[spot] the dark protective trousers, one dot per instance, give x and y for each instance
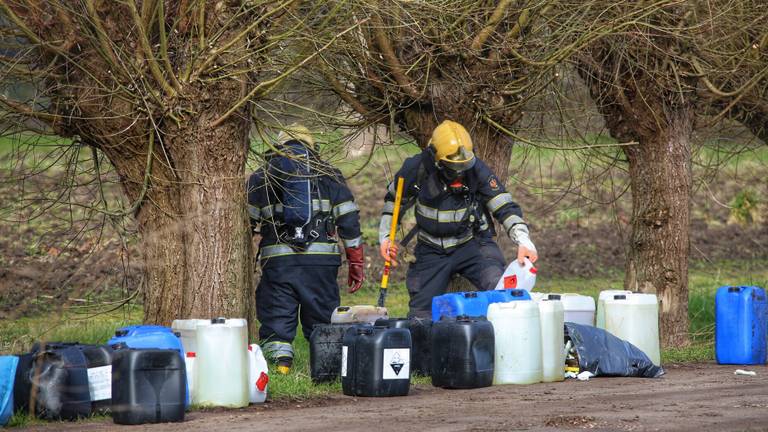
(288, 293)
(479, 260)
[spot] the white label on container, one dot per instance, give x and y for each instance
(343, 360)
(397, 363)
(100, 382)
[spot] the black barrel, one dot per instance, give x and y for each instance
(462, 353)
(148, 386)
(53, 379)
(421, 334)
(98, 359)
(325, 351)
(376, 361)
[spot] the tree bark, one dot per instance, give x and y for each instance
(657, 256)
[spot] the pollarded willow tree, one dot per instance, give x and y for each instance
(164, 89)
(414, 64)
(644, 82)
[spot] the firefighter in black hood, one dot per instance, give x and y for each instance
(455, 195)
(302, 208)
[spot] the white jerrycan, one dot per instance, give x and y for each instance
(605, 294)
(222, 363)
(258, 374)
(187, 329)
(517, 332)
(552, 317)
(634, 317)
(518, 276)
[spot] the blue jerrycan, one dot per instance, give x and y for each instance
(741, 326)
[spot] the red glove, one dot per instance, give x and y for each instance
(355, 267)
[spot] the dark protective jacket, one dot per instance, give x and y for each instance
(444, 218)
(289, 193)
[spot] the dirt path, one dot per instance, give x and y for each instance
(698, 397)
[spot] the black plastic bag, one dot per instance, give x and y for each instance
(604, 354)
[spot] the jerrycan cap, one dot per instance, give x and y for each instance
(121, 333)
(516, 293)
(620, 297)
(554, 297)
(365, 330)
(342, 309)
(463, 318)
(471, 294)
(219, 320)
(734, 289)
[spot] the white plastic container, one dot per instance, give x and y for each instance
(600, 317)
(189, 362)
(537, 296)
(552, 316)
(517, 331)
(258, 375)
(634, 317)
(517, 276)
(222, 363)
(358, 314)
(579, 309)
(187, 329)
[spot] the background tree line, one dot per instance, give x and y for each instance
(170, 94)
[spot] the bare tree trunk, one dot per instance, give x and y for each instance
(217, 249)
(657, 256)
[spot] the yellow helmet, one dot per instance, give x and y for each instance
(296, 132)
(452, 146)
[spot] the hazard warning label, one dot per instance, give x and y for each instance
(397, 363)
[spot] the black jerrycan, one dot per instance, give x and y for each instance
(98, 360)
(52, 383)
(375, 361)
(325, 351)
(462, 352)
(148, 386)
(421, 333)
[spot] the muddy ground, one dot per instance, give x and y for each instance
(691, 397)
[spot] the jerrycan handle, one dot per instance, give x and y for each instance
(121, 333)
(620, 297)
(219, 320)
(463, 318)
(516, 293)
(734, 289)
(342, 309)
(472, 294)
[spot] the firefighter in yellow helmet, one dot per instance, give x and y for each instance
(303, 209)
(455, 195)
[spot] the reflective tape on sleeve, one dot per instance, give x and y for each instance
(254, 212)
(499, 201)
(511, 221)
(340, 210)
(389, 207)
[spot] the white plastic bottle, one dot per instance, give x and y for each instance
(222, 363)
(552, 317)
(517, 330)
(189, 362)
(600, 317)
(258, 375)
(517, 276)
(634, 317)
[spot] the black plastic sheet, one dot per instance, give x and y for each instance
(604, 354)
